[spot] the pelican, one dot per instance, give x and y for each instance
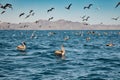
(5, 6)
(110, 44)
(88, 38)
(21, 47)
(60, 52)
(50, 9)
(21, 14)
(66, 38)
(117, 4)
(68, 8)
(31, 11)
(115, 18)
(88, 7)
(86, 18)
(83, 16)
(27, 16)
(50, 18)
(2, 12)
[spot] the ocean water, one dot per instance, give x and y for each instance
(84, 60)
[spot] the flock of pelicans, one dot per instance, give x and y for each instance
(32, 13)
(23, 47)
(61, 52)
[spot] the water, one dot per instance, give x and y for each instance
(84, 60)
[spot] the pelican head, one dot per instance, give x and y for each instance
(23, 43)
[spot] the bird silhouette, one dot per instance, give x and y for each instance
(115, 18)
(2, 12)
(68, 7)
(88, 7)
(50, 9)
(50, 18)
(27, 16)
(36, 22)
(117, 4)
(21, 14)
(31, 11)
(6, 6)
(86, 18)
(83, 16)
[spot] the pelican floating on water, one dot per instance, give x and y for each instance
(22, 47)
(60, 52)
(110, 44)
(88, 38)
(66, 38)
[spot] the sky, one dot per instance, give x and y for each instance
(104, 14)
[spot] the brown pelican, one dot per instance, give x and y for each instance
(88, 7)
(6, 6)
(117, 4)
(31, 11)
(50, 18)
(115, 18)
(110, 44)
(83, 16)
(21, 14)
(2, 12)
(86, 18)
(27, 16)
(22, 47)
(60, 52)
(50, 9)
(68, 8)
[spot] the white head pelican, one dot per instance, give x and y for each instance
(60, 52)
(22, 47)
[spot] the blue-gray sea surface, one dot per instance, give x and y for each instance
(84, 60)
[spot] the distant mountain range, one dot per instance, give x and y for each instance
(56, 25)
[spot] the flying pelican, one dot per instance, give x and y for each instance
(21, 14)
(117, 4)
(7, 6)
(83, 16)
(60, 52)
(31, 11)
(22, 47)
(86, 18)
(50, 18)
(50, 9)
(88, 7)
(27, 16)
(115, 18)
(68, 8)
(2, 12)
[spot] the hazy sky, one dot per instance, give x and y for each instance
(104, 14)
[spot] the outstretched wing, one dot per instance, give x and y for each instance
(117, 4)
